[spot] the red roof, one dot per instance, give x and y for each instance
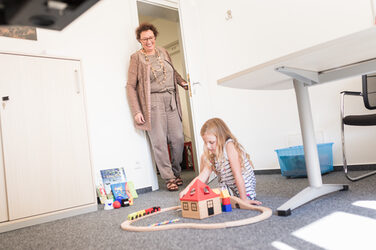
(199, 191)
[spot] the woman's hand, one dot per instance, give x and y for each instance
(185, 85)
(139, 119)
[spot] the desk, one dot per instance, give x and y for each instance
(347, 56)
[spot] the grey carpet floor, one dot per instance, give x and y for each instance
(326, 223)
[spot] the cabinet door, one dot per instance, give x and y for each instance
(45, 139)
(3, 197)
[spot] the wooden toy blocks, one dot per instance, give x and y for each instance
(224, 193)
(226, 208)
(226, 201)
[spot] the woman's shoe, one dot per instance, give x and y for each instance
(171, 185)
(178, 181)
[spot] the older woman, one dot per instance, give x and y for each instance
(155, 104)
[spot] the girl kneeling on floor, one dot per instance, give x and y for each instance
(227, 158)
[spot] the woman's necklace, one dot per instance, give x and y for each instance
(161, 66)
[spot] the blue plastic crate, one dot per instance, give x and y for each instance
(292, 161)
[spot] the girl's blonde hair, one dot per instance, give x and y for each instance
(219, 129)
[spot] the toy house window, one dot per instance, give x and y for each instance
(185, 205)
(193, 191)
(206, 190)
(194, 206)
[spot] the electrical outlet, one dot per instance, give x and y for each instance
(137, 165)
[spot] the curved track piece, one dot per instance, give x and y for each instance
(235, 203)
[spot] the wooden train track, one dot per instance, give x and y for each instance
(235, 203)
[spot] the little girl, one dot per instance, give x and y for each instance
(227, 158)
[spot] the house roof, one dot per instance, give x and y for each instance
(199, 191)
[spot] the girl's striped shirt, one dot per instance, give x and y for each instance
(227, 180)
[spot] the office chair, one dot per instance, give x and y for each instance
(369, 98)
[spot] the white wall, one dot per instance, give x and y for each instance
(260, 31)
(103, 38)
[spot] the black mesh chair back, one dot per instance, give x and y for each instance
(369, 91)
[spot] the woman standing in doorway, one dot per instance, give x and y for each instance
(155, 104)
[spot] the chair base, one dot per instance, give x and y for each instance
(357, 178)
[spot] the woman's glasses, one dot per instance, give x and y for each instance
(144, 40)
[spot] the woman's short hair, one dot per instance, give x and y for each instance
(144, 27)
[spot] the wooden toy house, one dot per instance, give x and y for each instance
(200, 202)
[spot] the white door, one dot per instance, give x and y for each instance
(200, 99)
(45, 138)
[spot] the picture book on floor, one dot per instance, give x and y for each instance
(118, 190)
(112, 176)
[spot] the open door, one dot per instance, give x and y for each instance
(199, 94)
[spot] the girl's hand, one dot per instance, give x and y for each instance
(203, 176)
(254, 202)
(139, 119)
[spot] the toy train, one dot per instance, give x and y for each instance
(144, 212)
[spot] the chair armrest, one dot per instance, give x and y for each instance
(342, 101)
(351, 93)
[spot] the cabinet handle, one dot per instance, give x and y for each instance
(77, 81)
(4, 99)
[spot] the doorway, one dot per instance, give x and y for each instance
(166, 19)
(210, 207)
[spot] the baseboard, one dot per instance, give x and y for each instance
(267, 171)
(360, 167)
(48, 217)
(144, 190)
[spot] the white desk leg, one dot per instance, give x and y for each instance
(316, 188)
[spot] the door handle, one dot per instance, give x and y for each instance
(190, 85)
(194, 90)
